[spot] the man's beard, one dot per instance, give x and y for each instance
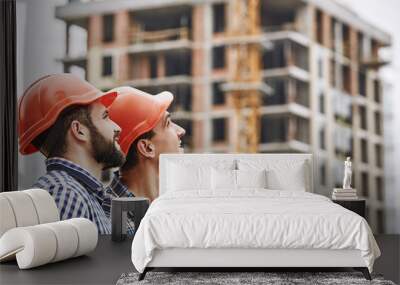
(105, 152)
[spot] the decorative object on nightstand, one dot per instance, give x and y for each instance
(356, 205)
(346, 192)
(119, 210)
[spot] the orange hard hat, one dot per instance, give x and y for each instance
(137, 112)
(46, 98)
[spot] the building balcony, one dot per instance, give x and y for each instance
(160, 27)
(158, 69)
(291, 108)
(279, 15)
(284, 132)
(374, 62)
(287, 90)
(161, 81)
(289, 71)
(373, 59)
(83, 8)
(160, 40)
(342, 105)
(343, 140)
(359, 100)
(274, 110)
(160, 35)
(279, 132)
(159, 46)
(286, 55)
(289, 146)
(283, 34)
(78, 60)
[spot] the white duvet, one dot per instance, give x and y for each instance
(250, 219)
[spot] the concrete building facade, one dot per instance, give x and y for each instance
(320, 59)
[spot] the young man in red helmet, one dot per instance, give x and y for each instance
(147, 131)
(66, 119)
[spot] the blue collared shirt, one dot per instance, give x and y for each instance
(76, 192)
(118, 189)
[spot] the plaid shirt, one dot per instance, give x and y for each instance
(76, 192)
(118, 189)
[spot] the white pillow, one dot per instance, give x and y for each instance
(223, 179)
(288, 176)
(251, 178)
(182, 177)
(282, 174)
(202, 161)
(227, 179)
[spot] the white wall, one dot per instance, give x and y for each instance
(40, 40)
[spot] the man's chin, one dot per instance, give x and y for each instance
(117, 146)
(114, 159)
(118, 164)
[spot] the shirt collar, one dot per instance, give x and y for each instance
(82, 175)
(118, 187)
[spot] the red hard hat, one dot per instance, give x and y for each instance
(137, 112)
(46, 98)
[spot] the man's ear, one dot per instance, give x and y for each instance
(146, 148)
(79, 131)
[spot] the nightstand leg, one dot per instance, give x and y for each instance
(142, 275)
(364, 271)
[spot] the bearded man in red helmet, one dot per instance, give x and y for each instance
(146, 131)
(66, 119)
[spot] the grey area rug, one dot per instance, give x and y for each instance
(225, 278)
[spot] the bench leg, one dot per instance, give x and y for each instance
(364, 271)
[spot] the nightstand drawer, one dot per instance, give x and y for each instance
(357, 206)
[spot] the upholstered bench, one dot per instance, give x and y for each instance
(31, 232)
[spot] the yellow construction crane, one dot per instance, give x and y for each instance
(245, 82)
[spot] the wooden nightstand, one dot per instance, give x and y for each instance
(119, 210)
(357, 206)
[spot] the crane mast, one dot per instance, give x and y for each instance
(245, 73)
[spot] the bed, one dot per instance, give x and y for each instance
(246, 211)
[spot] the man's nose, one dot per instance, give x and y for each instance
(117, 128)
(180, 131)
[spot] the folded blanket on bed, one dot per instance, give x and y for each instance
(253, 218)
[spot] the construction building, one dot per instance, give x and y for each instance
(318, 68)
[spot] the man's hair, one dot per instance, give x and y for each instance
(53, 141)
(132, 158)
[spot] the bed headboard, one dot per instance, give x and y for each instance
(212, 159)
